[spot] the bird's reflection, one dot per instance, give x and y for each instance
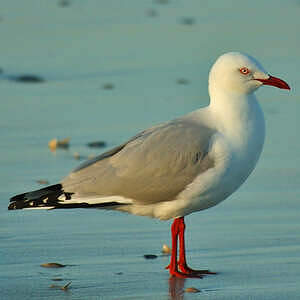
(176, 288)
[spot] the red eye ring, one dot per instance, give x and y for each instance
(244, 71)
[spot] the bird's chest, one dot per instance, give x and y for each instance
(235, 150)
(245, 149)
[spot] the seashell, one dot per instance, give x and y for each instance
(192, 290)
(166, 249)
(52, 265)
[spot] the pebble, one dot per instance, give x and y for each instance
(27, 78)
(55, 143)
(52, 265)
(188, 21)
(192, 290)
(150, 256)
(182, 81)
(42, 181)
(64, 3)
(108, 86)
(119, 273)
(151, 12)
(166, 249)
(96, 144)
(76, 155)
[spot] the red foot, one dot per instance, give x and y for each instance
(187, 272)
(177, 230)
(179, 274)
(185, 269)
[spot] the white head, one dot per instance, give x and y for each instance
(237, 73)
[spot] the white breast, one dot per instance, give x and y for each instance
(235, 149)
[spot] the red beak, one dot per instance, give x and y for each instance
(274, 81)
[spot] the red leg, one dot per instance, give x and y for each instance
(182, 265)
(176, 230)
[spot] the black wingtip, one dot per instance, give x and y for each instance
(16, 205)
(49, 197)
(21, 201)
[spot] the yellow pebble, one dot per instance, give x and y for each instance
(192, 290)
(52, 144)
(55, 143)
(52, 265)
(166, 249)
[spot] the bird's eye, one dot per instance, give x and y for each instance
(244, 71)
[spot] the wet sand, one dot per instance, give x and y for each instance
(252, 239)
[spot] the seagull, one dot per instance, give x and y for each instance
(178, 167)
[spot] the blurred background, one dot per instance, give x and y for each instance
(99, 70)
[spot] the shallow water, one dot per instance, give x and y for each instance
(252, 240)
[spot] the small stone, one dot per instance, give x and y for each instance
(182, 81)
(76, 155)
(64, 143)
(42, 181)
(150, 256)
(55, 143)
(166, 249)
(52, 265)
(27, 78)
(192, 290)
(57, 279)
(52, 144)
(119, 273)
(96, 144)
(151, 12)
(188, 21)
(108, 86)
(64, 3)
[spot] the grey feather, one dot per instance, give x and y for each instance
(154, 166)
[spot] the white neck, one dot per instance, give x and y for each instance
(239, 117)
(241, 122)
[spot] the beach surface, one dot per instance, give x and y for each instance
(105, 70)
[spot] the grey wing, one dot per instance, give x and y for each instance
(106, 154)
(154, 166)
